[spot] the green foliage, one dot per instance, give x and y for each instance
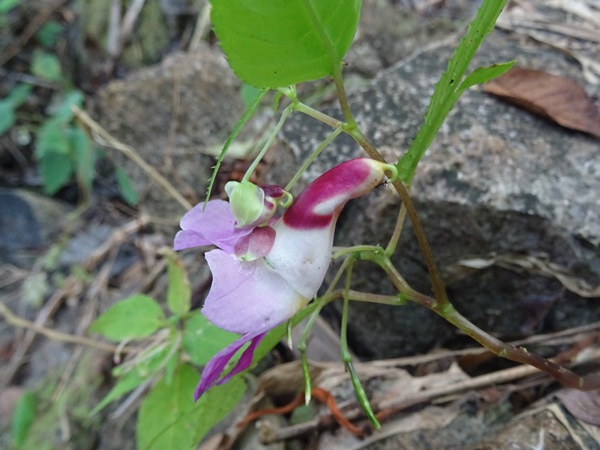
(135, 317)
(22, 418)
(179, 295)
(451, 85)
(17, 96)
(7, 5)
(202, 339)
(128, 192)
(148, 365)
(273, 44)
(250, 94)
(63, 149)
(46, 65)
(49, 33)
(168, 418)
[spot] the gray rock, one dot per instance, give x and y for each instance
(140, 112)
(497, 180)
(28, 223)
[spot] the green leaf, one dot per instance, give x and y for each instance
(51, 138)
(135, 317)
(149, 363)
(64, 111)
(18, 94)
(127, 383)
(270, 43)
(57, 169)
(202, 340)
(126, 189)
(446, 91)
(7, 116)
(7, 5)
(84, 154)
(46, 65)
(179, 294)
(484, 74)
(48, 34)
(169, 419)
(250, 94)
(22, 418)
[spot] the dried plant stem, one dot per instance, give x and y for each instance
(386, 408)
(106, 139)
(19, 322)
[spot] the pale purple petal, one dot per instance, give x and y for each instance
(214, 224)
(214, 368)
(248, 295)
(188, 239)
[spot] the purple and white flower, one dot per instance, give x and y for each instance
(266, 270)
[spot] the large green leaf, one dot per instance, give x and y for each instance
(7, 116)
(22, 418)
(169, 419)
(202, 340)
(148, 364)
(179, 294)
(57, 169)
(135, 317)
(274, 43)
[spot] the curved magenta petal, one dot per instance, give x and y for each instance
(248, 295)
(214, 368)
(320, 203)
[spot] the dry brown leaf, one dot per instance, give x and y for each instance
(583, 405)
(556, 98)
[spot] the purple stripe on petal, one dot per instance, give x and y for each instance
(245, 360)
(214, 368)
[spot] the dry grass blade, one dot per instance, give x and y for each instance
(556, 98)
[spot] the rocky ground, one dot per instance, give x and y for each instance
(507, 198)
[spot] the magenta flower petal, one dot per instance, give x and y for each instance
(214, 368)
(256, 245)
(248, 295)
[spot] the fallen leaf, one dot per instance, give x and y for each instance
(583, 405)
(556, 98)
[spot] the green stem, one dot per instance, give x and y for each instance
(393, 243)
(447, 89)
(272, 136)
(313, 156)
(318, 115)
(518, 354)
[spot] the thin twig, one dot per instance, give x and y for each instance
(390, 406)
(108, 140)
(17, 321)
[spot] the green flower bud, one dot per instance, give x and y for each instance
(246, 200)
